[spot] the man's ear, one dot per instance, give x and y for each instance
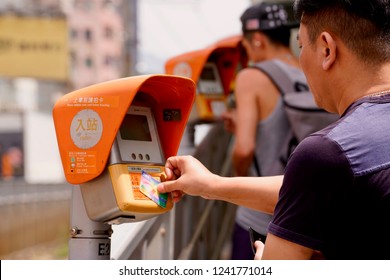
(260, 38)
(328, 49)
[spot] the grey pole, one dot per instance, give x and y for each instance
(89, 240)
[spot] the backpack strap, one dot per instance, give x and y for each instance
(283, 83)
(277, 75)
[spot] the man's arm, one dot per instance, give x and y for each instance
(277, 248)
(256, 98)
(189, 176)
(247, 118)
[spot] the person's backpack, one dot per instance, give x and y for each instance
(303, 114)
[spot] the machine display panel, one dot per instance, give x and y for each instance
(209, 80)
(138, 139)
(208, 74)
(135, 127)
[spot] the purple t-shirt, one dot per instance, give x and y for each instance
(336, 191)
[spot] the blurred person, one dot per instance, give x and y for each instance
(15, 156)
(334, 196)
(12, 163)
(6, 164)
(259, 122)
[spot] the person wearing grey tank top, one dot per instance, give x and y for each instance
(258, 123)
(270, 137)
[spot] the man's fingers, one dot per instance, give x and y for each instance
(171, 168)
(259, 250)
(177, 173)
(176, 196)
(167, 186)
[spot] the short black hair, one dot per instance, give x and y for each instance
(279, 36)
(363, 25)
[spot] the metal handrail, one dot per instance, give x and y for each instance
(187, 251)
(228, 217)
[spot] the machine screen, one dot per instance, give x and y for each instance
(208, 74)
(135, 127)
(209, 80)
(138, 139)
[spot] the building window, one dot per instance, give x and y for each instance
(109, 60)
(73, 34)
(73, 58)
(88, 62)
(88, 35)
(108, 32)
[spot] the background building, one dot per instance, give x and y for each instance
(49, 48)
(96, 37)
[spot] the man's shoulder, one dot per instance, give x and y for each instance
(253, 80)
(363, 135)
(248, 74)
(367, 119)
(359, 138)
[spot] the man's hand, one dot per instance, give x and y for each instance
(186, 175)
(259, 249)
(229, 120)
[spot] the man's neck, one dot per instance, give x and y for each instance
(364, 83)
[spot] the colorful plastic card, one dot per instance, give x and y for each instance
(149, 188)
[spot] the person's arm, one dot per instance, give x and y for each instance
(256, 98)
(277, 248)
(247, 118)
(189, 176)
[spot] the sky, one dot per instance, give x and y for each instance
(167, 28)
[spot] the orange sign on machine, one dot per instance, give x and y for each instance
(112, 133)
(213, 69)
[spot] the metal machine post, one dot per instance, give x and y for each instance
(89, 240)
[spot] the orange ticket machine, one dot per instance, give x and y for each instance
(114, 138)
(213, 69)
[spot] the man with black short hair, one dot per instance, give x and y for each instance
(335, 195)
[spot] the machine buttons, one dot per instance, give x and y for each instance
(140, 156)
